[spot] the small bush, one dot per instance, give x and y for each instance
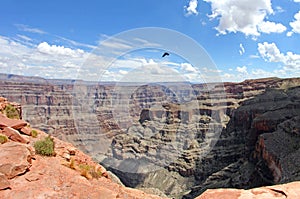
(96, 174)
(34, 133)
(85, 171)
(3, 139)
(11, 112)
(45, 147)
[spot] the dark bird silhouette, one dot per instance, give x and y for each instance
(165, 54)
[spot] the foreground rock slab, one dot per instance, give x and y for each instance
(48, 178)
(15, 159)
(290, 191)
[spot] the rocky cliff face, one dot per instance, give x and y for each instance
(167, 135)
(263, 148)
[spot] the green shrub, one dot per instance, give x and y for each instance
(96, 174)
(3, 139)
(45, 147)
(85, 171)
(34, 133)
(11, 112)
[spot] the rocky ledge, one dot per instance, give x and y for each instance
(25, 174)
(290, 191)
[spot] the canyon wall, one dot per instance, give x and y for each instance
(180, 138)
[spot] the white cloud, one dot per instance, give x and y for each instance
(289, 34)
(55, 61)
(295, 24)
(242, 49)
(271, 27)
(242, 69)
(75, 43)
(191, 8)
(187, 67)
(288, 65)
(45, 48)
(24, 37)
(26, 28)
(123, 72)
(246, 16)
(270, 53)
(297, 1)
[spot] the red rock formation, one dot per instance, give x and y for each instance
(14, 135)
(15, 159)
(13, 123)
(290, 191)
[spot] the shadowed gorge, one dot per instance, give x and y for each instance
(177, 137)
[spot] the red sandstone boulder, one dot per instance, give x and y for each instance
(15, 159)
(14, 135)
(13, 123)
(26, 130)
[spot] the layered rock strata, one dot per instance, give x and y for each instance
(144, 132)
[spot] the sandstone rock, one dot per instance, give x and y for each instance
(66, 156)
(290, 190)
(15, 159)
(13, 123)
(14, 135)
(4, 183)
(26, 131)
(71, 150)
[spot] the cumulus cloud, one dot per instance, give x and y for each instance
(191, 9)
(246, 16)
(45, 48)
(42, 60)
(242, 49)
(187, 67)
(271, 27)
(270, 53)
(295, 24)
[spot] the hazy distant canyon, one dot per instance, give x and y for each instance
(178, 138)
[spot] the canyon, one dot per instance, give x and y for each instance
(67, 173)
(177, 138)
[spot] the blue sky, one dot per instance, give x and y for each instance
(64, 39)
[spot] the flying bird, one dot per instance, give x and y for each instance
(165, 54)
